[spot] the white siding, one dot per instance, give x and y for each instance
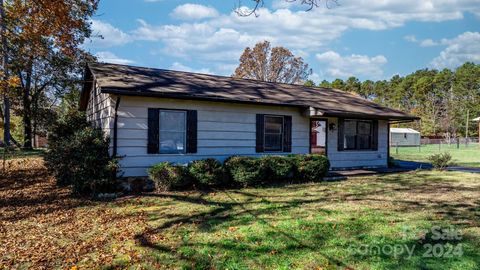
(224, 129)
(353, 158)
(404, 139)
(100, 111)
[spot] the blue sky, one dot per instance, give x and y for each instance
(362, 38)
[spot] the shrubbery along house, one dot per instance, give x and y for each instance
(154, 115)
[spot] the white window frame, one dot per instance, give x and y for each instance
(281, 133)
(160, 132)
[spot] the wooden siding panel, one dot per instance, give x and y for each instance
(226, 129)
(223, 130)
(347, 158)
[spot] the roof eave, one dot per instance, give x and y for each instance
(220, 99)
(193, 97)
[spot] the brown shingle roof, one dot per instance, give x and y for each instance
(141, 81)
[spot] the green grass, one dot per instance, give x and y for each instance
(20, 153)
(328, 225)
(468, 156)
(314, 226)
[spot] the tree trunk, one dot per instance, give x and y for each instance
(27, 120)
(6, 100)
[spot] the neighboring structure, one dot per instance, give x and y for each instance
(154, 115)
(404, 137)
(478, 121)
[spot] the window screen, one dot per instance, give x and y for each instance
(364, 133)
(350, 133)
(358, 134)
(273, 133)
(172, 132)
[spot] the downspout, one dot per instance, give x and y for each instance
(115, 127)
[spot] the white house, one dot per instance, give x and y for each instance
(155, 115)
(404, 137)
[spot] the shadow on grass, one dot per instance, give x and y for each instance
(254, 207)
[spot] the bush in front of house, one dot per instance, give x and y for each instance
(92, 168)
(311, 167)
(206, 172)
(278, 168)
(77, 155)
(244, 171)
(239, 171)
(168, 176)
(440, 161)
(57, 157)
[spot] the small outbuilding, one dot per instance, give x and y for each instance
(404, 137)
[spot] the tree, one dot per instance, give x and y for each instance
(45, 38)
(353, 85)
(325, 84)
(309, 83)
(367, 89)
(338, 84)
(466, 89)
(268, 64)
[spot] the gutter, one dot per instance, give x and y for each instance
(115, 127)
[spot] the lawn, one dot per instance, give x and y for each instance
(353, 224)
(468, 156)
(20, 153)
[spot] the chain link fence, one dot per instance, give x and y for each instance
(438, 145)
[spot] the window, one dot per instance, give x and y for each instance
(172, 131)
(273, 133)
(357, 135)
(350, 132)
(364, 134)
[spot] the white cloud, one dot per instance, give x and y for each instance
(217, 40)
(411, 38)
(428, 43)
(463, 48)
(109, 57)
(180, 67)
(105, 35)
(338, 66)
(193, 12)
(225, 36)
(423, 43)
(315, 78)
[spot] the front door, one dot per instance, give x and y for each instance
(318, 136)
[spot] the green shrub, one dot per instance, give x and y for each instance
(244, 171)
(58, 154)
(312, 167)
(168, 176)
(278, 168)
(440, 161)
(207, 172)
(77, 155)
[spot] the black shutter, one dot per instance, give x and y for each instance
(260, 124)
(287, 133)
(153, 131)
(375, 135)
(340, 138)
(191, 131)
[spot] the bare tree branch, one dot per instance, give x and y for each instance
(244, 11)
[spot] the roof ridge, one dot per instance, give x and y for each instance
(215, 75)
